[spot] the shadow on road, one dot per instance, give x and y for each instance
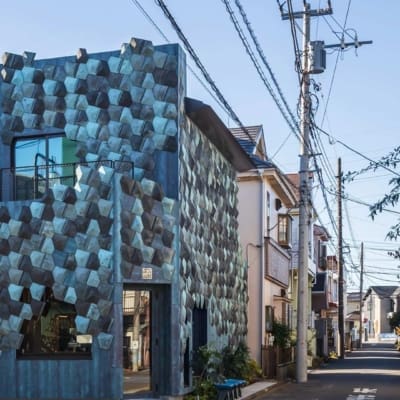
(372, 372)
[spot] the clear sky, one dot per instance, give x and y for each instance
(362, 106)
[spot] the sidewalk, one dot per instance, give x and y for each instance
(255, 389)
(248, 392)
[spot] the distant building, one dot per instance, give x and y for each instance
(325, 295)
(379, 302)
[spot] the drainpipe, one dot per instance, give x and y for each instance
(262, 258)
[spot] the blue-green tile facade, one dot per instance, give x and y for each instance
(170, 220)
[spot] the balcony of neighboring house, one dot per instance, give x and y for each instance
(277, 261)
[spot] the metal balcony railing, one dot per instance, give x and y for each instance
(32, 182)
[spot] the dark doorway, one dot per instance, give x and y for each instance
(199, 333)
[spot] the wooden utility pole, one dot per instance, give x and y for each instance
(340, 260)
(361, 294)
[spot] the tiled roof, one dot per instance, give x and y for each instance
(240, 133)
(242, 136)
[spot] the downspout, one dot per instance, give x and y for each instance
(262, 258)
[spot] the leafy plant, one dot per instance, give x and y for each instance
(211, 365)
(281, 334)
(237, 363)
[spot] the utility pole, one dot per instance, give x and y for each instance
(305, 195)
(361, 294)
(304, 220)
(340, 260)
(313, 62)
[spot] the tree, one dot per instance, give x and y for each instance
(394, 320)
(390, 199)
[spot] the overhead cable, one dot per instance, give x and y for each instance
(292, 124)
(152, 22)
(201, 67)
(264, 60)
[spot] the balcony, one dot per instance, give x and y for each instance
(32, 182)
(277, 261)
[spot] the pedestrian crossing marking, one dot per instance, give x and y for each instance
(362, 394)
(364, 390)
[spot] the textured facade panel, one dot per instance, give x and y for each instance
(168, 222)
(212, 274)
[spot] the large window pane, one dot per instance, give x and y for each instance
(42, 162)
(53, 332)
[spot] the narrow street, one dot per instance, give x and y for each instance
(367, 374)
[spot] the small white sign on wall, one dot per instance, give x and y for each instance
(147, 273)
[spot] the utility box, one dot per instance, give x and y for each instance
(317, 57)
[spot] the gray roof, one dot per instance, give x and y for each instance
(382, 291)
(248, 140)
(247, 137)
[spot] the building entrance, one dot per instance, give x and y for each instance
(146, 321)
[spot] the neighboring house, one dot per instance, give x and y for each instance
(378, 304)
(113, 181)
(265, 198)
(325, 295)
(352, 319)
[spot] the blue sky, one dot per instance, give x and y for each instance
(362, 107)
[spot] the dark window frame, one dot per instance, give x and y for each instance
(33, 335)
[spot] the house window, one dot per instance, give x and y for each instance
(284, 230)
(53, 332)
(40, 162)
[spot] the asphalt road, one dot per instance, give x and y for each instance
(372, 373)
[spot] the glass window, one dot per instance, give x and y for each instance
(53, 332)
(40, 163)
(284, 230)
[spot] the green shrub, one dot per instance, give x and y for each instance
(281, 333)
(238, 364)
(211, 365)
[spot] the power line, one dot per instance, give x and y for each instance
(377, 164)
(152, 22)
(200, 65)
(292, 125)
(264, 60)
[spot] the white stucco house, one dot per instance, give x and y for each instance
(265, 227)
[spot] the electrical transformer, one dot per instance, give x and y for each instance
(317, 57)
